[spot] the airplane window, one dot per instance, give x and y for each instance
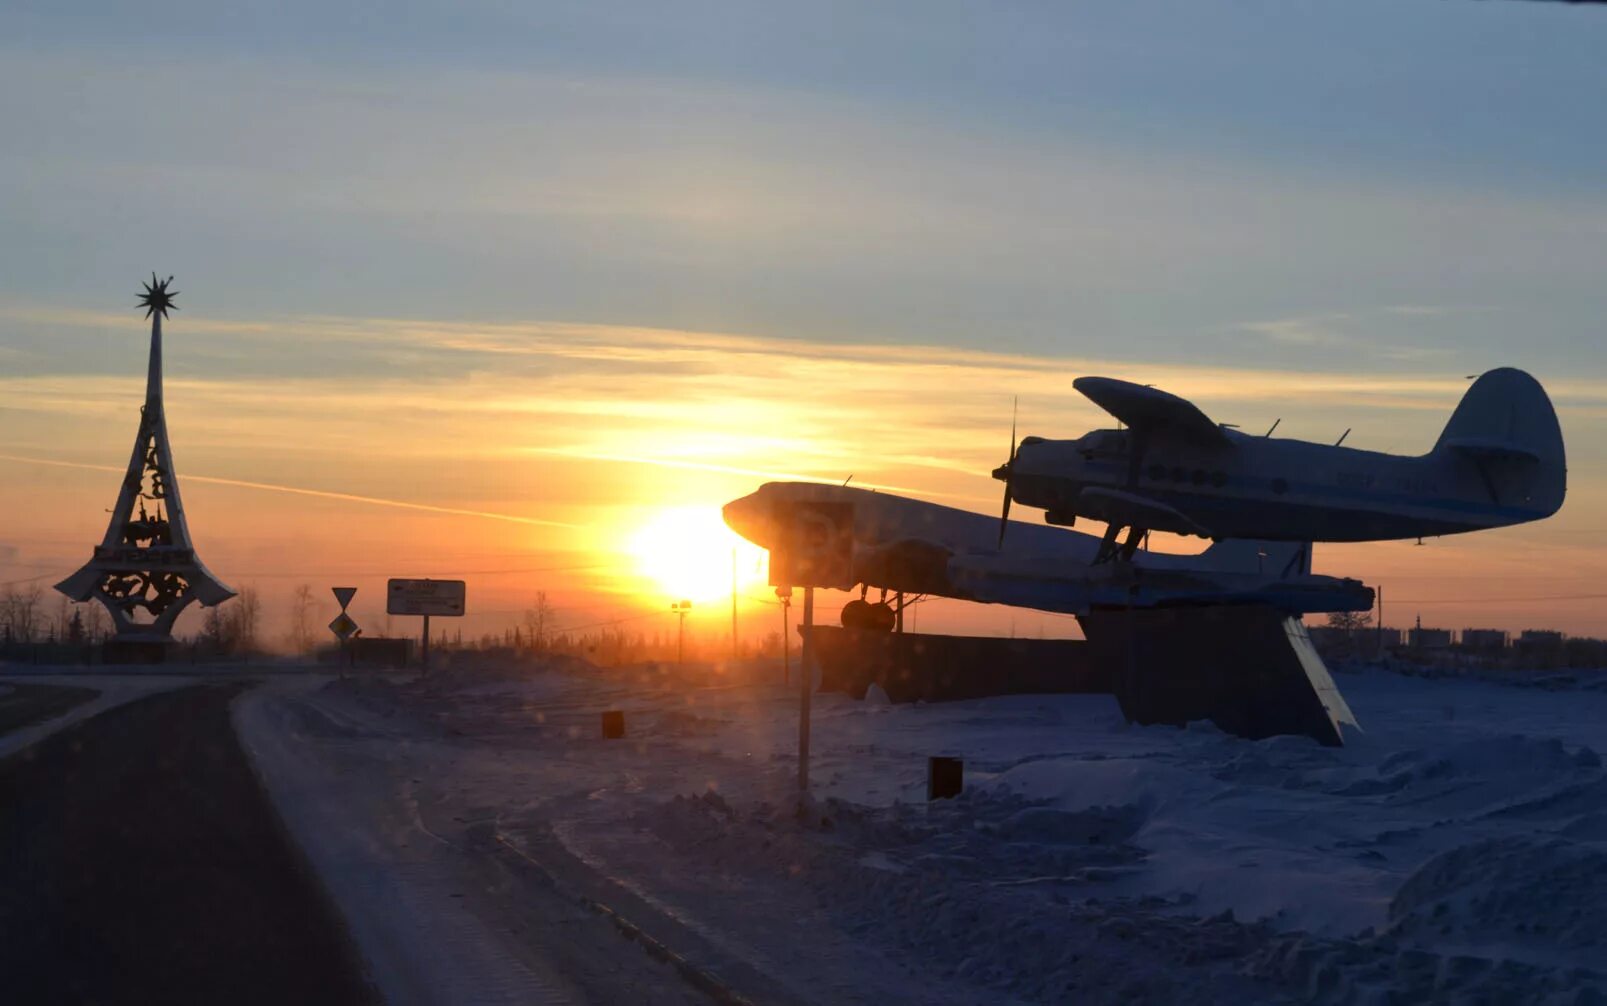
(1280, 486)
(1219, 479)
(1157, 472)
(1199, 476)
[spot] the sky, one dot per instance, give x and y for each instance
(522, 292)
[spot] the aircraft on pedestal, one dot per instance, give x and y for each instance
(914, 547)
(1499, 461)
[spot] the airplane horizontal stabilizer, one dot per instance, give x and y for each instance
(1491, 449)
(1249, 555)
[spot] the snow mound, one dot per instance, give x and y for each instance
(1537, 896)
(941, 884)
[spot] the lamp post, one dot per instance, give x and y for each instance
(785, 593)
(681, 608)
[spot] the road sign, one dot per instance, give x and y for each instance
(344, 595)
(343, 627)
(424, 597)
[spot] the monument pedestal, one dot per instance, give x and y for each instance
(141, 652)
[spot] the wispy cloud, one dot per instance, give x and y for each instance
(303, 491)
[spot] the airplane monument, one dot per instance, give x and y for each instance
(145, 570)
(1214, 635)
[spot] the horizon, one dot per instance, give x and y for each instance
(485, 295)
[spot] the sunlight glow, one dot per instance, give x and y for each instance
(686, 553)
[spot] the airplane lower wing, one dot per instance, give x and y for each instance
(1113, 506)
(1050, 587)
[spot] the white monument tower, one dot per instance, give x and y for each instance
(145, 570)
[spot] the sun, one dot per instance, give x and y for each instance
(686, 552)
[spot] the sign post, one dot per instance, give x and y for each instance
(344, 626)
(681, 608)
(806, 685)
(426, 598)
(785, 593)
(816, 550)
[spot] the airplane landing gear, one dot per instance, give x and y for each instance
(1111, 549)
(862, 614)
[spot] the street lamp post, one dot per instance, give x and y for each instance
(681, 608)
(785, 593)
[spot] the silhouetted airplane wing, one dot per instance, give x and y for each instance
(1152, 409)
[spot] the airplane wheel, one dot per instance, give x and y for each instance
(856, 615)
(881, 617)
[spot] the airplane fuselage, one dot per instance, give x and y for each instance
(1277, 489)
(902, 544)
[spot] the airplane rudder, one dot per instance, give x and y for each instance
(1507, 405)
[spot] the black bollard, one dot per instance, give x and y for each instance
(945, 778)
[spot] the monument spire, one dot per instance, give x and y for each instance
(145, 570)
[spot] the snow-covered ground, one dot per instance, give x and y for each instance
(1457, 850)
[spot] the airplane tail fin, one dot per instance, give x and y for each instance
(1250, 555)
(1506, 426)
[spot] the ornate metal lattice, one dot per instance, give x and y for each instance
(145, 571)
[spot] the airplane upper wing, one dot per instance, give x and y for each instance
(1143, 407)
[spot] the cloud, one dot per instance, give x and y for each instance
(301, 491)
(1311, 330)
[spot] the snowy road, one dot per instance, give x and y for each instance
(141, 863)
(1458, 849)
(438, 915)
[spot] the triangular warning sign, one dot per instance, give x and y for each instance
(344, 595)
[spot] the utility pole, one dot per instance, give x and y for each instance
(681, 608)
(1378, 639)
(785, 593)
(806, 674)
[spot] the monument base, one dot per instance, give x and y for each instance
(134, 651)
(912, 666)
(1250, 669)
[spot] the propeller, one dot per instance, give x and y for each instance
(1008, 469)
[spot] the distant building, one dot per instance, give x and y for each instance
(1484, 640)
(1428, 639)
(1539, 641)
(1367, 642)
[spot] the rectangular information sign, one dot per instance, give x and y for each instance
(424, 597)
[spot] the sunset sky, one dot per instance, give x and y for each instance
(522, 293)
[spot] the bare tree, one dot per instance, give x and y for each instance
(301, 605)
(61, 622)
(20, 608)
(97, 622)
(245, 618)
(1350, 621)
(231, 627)
(536, 618)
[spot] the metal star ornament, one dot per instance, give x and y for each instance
(157, 298)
